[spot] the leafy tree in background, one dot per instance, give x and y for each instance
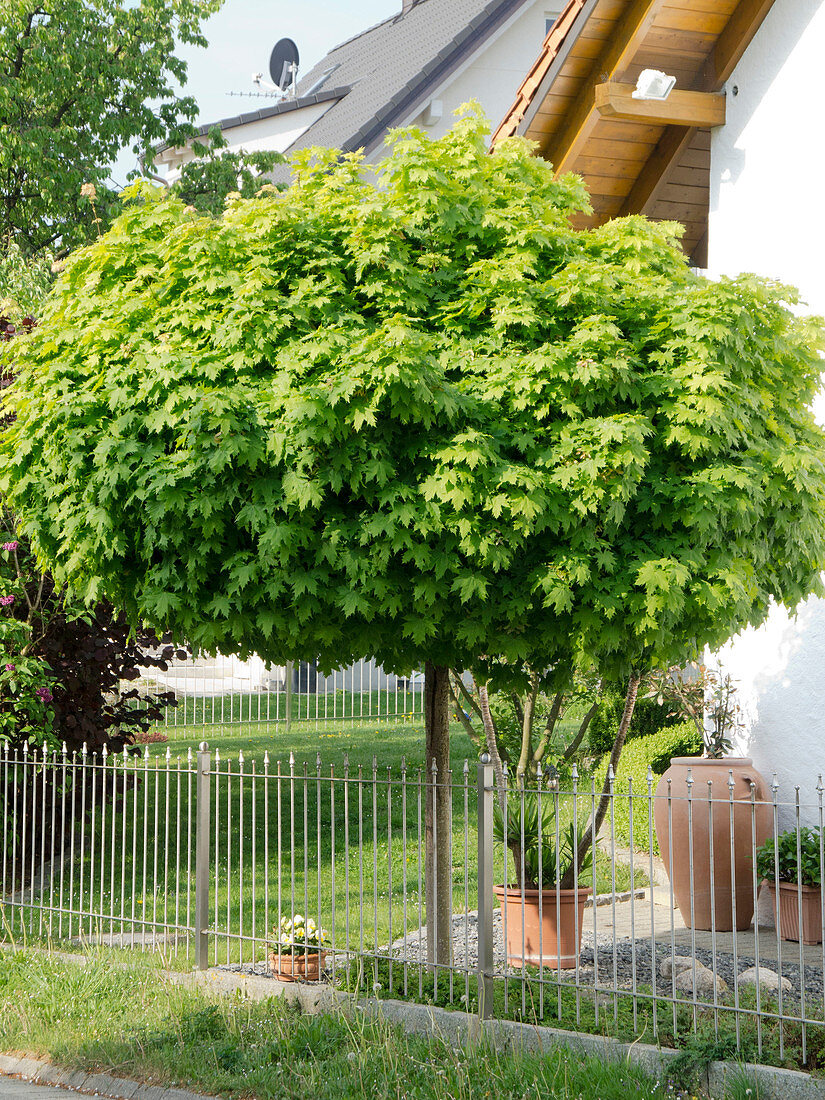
(62, 665)
(216, 172)
(80, 79)
(421, 418)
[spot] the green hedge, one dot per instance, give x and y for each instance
(648, 718)
(654, 751)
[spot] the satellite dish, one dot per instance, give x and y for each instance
(283, 63)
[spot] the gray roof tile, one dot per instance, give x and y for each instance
(390, 66)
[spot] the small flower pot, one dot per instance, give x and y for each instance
(811, 931)
(297, 968)
(552, 938)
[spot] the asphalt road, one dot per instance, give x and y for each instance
(13, 1089)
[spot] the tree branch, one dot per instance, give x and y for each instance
(462, 716)
(528, 714)
(549, 727)
(492, 745)
(592, 830)
(573, 747)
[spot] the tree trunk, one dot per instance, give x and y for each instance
(592, 830)
(438, 819)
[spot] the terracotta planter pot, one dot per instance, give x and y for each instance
(297, 968)
(712, 908)
(546, 941)
(789, 912)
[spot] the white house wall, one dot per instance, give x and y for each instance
(275, 133)
(766, 216)
(494, 75)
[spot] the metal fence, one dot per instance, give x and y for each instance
(220, 690)
(205, 857)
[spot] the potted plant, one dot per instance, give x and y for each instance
(791, 867)
(543, 922)
(699, 799)
(298, 954)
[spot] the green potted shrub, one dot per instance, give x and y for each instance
(543, 922)
(792, 868)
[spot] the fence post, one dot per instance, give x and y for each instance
(486, 795)
(290, 669)
(203, 793)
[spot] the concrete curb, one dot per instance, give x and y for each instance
(41, 1072)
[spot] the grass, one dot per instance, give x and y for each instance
(133, 1022)
(349, 867)
(325, 708)
(537, 998)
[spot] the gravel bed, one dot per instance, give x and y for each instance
(623, 955)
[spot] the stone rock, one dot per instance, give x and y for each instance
(704, 982)
(764, 977)
(677, 963)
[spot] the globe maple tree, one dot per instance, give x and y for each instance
(417, 416)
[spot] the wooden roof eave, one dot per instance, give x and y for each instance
(628, 154)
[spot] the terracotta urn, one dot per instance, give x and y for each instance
(695, 825)
(810, 931)
(552, 940)
(297, 968)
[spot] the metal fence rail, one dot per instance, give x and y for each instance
(221, 690)
(206, 855)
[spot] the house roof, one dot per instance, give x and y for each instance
(637, 156)
(392, 68)
(283, 107)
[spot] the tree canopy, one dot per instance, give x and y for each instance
(416, 415)
(80, 79)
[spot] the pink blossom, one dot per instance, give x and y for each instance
(44, 694)
(10, 545)
(6, 601)
(10, 668)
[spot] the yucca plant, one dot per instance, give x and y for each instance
(543, 849)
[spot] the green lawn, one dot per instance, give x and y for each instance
(321, 708)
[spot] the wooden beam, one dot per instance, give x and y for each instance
(732, 42)
(737, 35)
(694, 109)
(614, 58)
(653, 176)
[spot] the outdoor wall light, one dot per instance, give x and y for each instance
(653, 84)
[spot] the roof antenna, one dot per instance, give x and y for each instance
(283, 69)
